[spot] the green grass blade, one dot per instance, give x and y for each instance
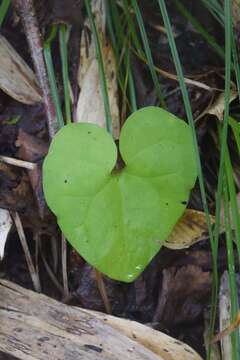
(233, 199)
(51, 75)
(228, 38)
(197, 25)
(231, 271)
(64, 59)
(236, 131)
(3, 10)
(198, 161)
(119, 42)
(103, 82)
(148, 52)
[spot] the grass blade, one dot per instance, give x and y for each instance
(51, 75)
(148, 52)
(103, 82)
(64, 58)
(198, 161)
(3, 10)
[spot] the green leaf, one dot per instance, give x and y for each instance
(118, 220)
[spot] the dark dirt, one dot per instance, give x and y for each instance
(173, 292)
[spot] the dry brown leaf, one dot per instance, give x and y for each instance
(191, 228)
(217, 108)
(16, 77)
(90, 106)
(161, 344)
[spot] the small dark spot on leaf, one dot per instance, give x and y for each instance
(93, 347)
(184, 202)
(65, 181)
(166, 203)
(89, 132)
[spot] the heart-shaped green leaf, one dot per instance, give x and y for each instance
(118, 220)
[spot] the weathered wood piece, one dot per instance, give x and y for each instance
(35, 327)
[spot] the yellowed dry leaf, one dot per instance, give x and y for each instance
(90, 106)
(16, 77)
(166, 347)
(217, 108)
(190, 229)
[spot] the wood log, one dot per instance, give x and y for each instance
(35, 327)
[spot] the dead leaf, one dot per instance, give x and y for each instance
(16, 77)
(217, 108)
(186, 290)
(190, 229)
(90, 106)
(5, 227)
(33, 149)
(15, 191)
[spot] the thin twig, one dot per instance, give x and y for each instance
(16, 162)
(26, 11)
(54, 249)
(64, 268)
(50, 272)
(103, 292)
(37, 244)
(23, 240)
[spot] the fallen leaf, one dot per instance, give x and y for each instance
(5, 227)
(186, 290)
(190, 229)
(16, 77)
(90, 106)
(33, 149)
(217, 108)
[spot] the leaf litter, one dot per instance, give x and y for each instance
(175, 279)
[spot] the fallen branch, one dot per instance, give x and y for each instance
(36, 327)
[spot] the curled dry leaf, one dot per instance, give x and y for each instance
(190, 229)
(161, 344)
(5, 227)
(90, 106)
(16, 77)
(217, 108)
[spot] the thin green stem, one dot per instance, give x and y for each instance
(65, 74)
(51, 75)
(101, 68)
(148, 52)
(198, 161)
(3, 10)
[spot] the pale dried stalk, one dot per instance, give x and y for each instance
(23, 240)
(19, 163)
(64, 268)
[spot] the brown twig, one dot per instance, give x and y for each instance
(64, 267)
(103, 292)
(26, 11)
